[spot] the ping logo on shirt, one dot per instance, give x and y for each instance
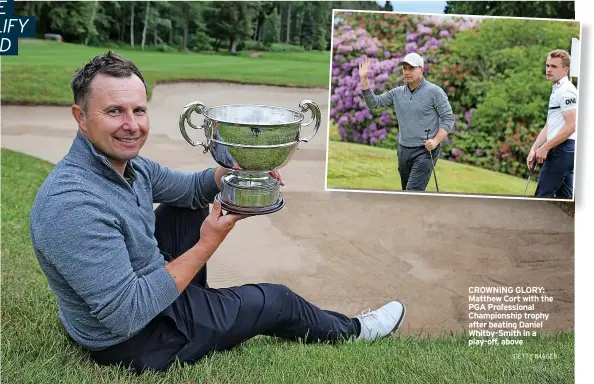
(570, 101)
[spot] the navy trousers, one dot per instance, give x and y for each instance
(555, 178)
(414, 166)
(204, 319)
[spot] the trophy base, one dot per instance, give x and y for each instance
(250, 193)
(252, 211)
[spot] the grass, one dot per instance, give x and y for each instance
(359, 166)
(42, 71)
(36, 350)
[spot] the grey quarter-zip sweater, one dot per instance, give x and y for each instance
(426, 107)
(92, 230)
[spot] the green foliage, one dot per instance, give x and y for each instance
(186, 25)
(501, 94)
(200, 41)
(272, 29)
(537, 9)
(231, 21)
(322, 30)
(307, 33)
(73, 19)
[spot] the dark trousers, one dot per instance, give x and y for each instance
(555, 178)
(203, 319)
(414, 166)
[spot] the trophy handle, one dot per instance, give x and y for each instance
(198, 107)
(307, 105)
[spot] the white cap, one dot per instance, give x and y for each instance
(413, 59)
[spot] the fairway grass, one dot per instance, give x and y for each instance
(363, 167)
(35, 348)
(43, 70)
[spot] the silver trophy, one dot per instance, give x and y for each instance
(251, 141)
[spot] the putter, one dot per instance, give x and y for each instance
(432, 166)
(530, 176)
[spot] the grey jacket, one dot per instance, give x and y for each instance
(427, 107)
(93, 235)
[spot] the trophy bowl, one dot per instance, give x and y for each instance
(252, 141)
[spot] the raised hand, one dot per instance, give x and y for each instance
(364, 68)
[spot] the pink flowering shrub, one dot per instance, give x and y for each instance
(385, 39)
(355, 121)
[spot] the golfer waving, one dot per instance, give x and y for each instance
(424, 117)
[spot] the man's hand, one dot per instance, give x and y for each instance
(431, 144)
(277, 175)
(541, 154)
(216, 227)
(219, 173)
(364, 73)
(213, 231)
(364, 68)
(531, 158)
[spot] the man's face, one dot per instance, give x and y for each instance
(116, 122)
(411, 74)
(555, 70)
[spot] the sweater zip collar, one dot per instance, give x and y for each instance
(421, 84)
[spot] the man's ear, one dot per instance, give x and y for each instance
(80, 117)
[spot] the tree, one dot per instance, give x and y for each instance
(132, 24)
(537, 9)
(388, 6)
(272, 28)
(92, 30)
(146, 21)
(231, 21)
(263, 10)
(322, 29)
(189, 25)
(186, 15)
(308, 28)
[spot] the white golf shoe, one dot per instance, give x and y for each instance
(381, 322)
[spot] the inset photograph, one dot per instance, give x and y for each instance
(451, 104)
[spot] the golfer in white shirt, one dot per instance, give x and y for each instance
(554, 147)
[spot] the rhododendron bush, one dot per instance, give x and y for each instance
(470, 59)
(385, 39)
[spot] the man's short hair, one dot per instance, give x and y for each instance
(563, 55)
(109, 64)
